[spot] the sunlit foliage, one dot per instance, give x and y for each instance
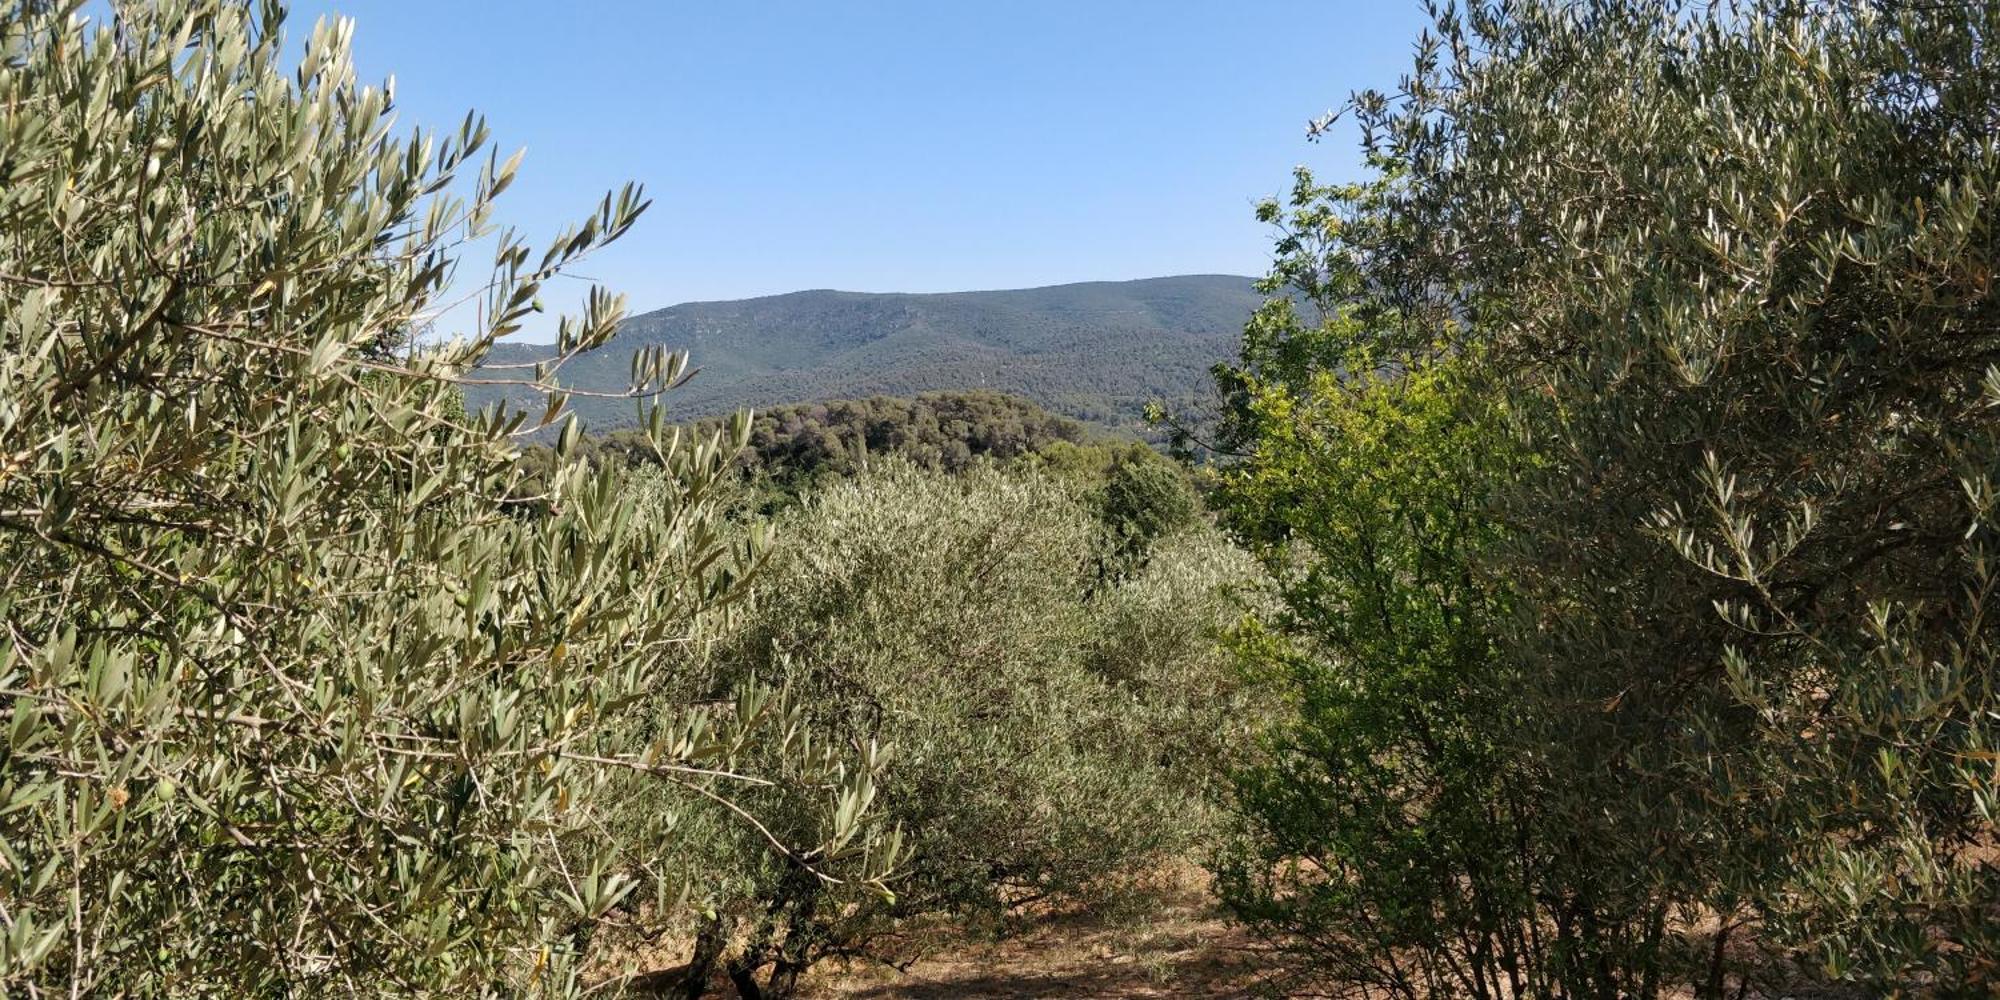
(296, 702)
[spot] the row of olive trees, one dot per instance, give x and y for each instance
(301, 694)
(1625, 455)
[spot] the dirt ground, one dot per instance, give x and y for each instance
(1186, 950)
(1182, 948)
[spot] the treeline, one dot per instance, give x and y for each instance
(797, 444)
(1136, 491)
(938, 430)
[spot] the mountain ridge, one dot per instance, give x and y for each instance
(1097, 351)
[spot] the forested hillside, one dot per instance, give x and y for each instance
(1097, 352)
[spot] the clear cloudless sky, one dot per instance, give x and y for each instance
(879, 146)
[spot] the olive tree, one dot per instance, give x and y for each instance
(302, 694)
(1055, 738)
(1727, 267)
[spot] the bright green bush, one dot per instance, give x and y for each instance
(296, 702)
(1388, 836)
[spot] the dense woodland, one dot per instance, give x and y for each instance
(1578, 589)
(797, 445)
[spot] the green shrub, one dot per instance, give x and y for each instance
(1145, 497)
(1388, 837)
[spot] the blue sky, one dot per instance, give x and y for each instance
(892, 146)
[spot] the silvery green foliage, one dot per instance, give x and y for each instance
(1054, 733)
(1155, 635)
(300, 697)
(1733, 268)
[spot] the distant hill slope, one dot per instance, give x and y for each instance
(1097, 351)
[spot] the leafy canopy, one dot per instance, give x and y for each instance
(296, 700)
